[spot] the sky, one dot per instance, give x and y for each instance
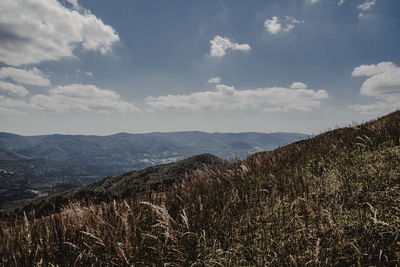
(101, 67)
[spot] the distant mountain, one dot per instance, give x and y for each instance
(135, 151)
(48, 164)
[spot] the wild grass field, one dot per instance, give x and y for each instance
(330, 200)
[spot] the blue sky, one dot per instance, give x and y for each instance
(102, 67)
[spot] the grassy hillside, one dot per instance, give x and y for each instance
(330, 200)
(153, 176)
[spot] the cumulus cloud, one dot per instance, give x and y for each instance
(273, 25)
(34, 31)
(13, 89)
(382, 83)
(31, 76)
(214, 80)
(341, 2)
(276, 25)
(81, 97)
(228, 98)
(219, 46)
(371, 70)
(312, 1)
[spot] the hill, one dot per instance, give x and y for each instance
(329, 200)
(153, 179)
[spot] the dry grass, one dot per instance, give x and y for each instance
(330, 200)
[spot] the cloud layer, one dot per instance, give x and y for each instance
(383, 84)
(276, 25)
(34, 31)
(219, 46)
(228, 98)
(81, 97)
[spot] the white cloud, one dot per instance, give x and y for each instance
(72, 97)
(32, 76)
(312, 1)
(11, 103)
(298, 85)
(33, 31)
(341, 2)
(383, 84)
(276, 25)
(371, 70)
(366, 5)
(273, 25)
(81, 97)
(13, 89)
(228, 98)
(219, 46)
(9, 106)
(214, 80)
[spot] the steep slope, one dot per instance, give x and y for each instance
(330, 200)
